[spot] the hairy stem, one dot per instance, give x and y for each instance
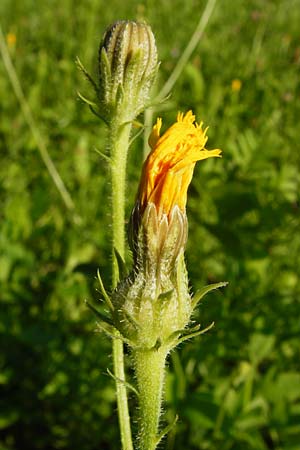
(149, 370)
(119, 143)
(122, 401)
(119, 139)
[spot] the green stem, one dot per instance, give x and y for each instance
(123, 412)
(149, 371)
(119, 143)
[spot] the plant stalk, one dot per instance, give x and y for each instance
(119, 143)
(149, 371)
(120, 134)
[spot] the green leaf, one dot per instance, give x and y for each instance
(125, 383)
(288, 384)
(86, 100)
(166, 430)
(98, 314)
(203, 291)
(104, 293)
(194, 334)
(260, 347)
(97, 114)
(85, 73)
(121, 265)
(103, 155)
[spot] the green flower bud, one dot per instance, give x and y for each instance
(154, 301)
(127, 68)
(157, 240)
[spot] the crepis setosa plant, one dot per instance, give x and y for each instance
(151, 308)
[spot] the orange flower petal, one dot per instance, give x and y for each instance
(169, 167)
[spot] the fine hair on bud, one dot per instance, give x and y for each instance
(127, 68)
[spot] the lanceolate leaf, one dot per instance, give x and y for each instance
(203, 291)
(104, 293)
(98, 314)
(121, 265)
(194, 334)
(166, 430)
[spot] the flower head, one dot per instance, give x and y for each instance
(11, 40)
(236, 85)
(154, 303)
(127, 68)
(168, 169)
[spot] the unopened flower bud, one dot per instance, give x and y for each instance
(127, 68)
(154, 302)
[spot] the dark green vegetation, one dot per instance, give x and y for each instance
(237, 387)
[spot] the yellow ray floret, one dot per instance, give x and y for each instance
(168, 169)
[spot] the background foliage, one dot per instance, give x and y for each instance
(238, 387)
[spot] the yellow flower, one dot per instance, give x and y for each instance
(11, 40)
(168, 169)
(236, 85)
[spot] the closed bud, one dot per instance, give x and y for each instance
(127, 68)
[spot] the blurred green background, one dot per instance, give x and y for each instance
(236, 388)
